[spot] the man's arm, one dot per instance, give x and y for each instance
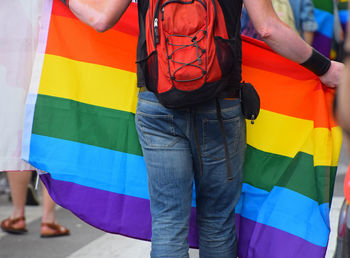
(99, 14)
(285, 41)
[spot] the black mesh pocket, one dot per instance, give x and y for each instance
(225, 54)
(152, 71)
(149, 68)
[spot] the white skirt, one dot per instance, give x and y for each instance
(19, 21)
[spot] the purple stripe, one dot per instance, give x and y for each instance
(322, 43)
(110, 212)
(132, 218)
(258, 240)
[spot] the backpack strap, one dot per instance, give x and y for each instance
(198, 147)
(223, 134)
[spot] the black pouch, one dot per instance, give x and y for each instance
(250, 101)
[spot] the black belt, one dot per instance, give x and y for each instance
(232, 93)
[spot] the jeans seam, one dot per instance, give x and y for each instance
(149, 146)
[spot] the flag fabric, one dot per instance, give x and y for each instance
(324, 15)
(80, 130)
(291, 160)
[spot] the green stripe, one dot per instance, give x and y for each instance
(114, 129)
(265, 170)
(75, 121)
(325, 5)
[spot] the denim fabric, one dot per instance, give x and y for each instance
(304, 17)
(169, 147)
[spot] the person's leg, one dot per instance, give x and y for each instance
(48, 207)
(216, 195)
(18, 181)
(162, 134)
(49, 226)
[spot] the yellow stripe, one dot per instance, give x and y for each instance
(116, 89)
(89, 83)
(286, 136)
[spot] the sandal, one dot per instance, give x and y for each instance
(11, 226)
(53, 230)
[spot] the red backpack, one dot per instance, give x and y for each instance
(190, 57)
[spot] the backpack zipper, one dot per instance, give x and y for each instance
(156, 25)
(156, 31)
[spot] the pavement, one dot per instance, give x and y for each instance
(86, 241)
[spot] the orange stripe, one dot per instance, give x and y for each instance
(74, 40)
(330, 94)
(127, 24)
(278, 93)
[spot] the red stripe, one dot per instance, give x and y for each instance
(127, 24)
(257, 54)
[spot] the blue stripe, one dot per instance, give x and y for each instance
(288, 211)
(325, 22)
(343, 16)
(91, 166)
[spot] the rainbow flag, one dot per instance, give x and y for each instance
(79, 128)
(291, 160)
(324, 15)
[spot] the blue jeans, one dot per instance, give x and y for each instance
(168, 142)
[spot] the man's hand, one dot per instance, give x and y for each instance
(333, 76)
